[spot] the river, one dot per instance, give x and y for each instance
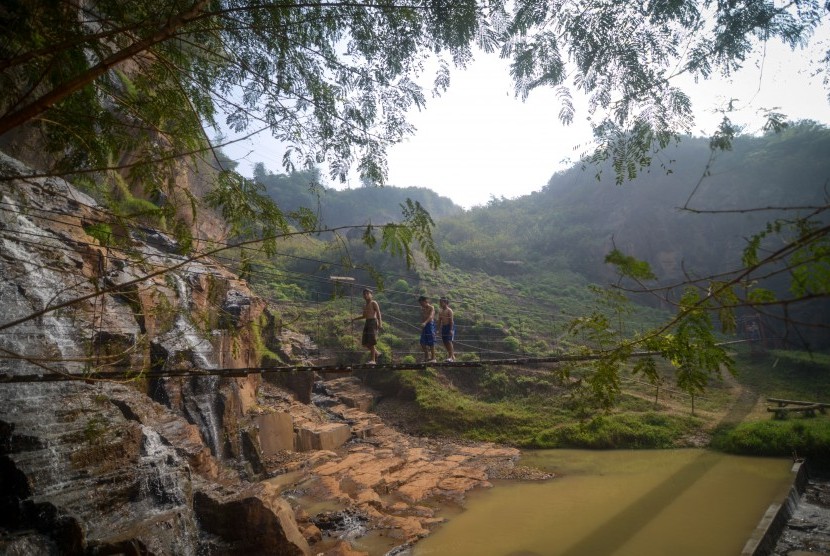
(627, 503)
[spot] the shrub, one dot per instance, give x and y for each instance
(496, 383)
(803, 436)
(395, 341)
(648, 430)
(100, 231)
(400, 285)
(384, 353)
(512, 344)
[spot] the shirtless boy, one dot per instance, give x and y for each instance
(446, 325)
(373, 325)
(427, 329)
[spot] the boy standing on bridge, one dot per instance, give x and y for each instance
(373, 325)
(446, 324)
(427, 329)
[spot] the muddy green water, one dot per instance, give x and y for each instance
(625, 503)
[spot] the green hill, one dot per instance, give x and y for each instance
(581, 215)
(334, 207)
(520, 274)
(527, 264)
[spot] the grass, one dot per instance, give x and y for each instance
(789, 375)
(536, 409)
(801, 436)
(627, 430)
(447, 410)
(531, 409)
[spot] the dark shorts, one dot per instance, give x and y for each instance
(447, 333)
(428, 334)
(370, 332)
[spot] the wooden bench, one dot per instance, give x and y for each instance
(808, 410)
(785, 407)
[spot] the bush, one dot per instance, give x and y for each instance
(394, 341)
(512, 344)
(400, 285)
(648, 430)
(496, 383)
(803, 436)
(384, 353)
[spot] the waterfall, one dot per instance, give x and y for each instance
(200, 347)
(33, 284)
(201, 390)
(161, 483)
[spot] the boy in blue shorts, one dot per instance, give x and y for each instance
(446, 324)
(427, 329)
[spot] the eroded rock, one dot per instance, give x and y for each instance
(255, 520)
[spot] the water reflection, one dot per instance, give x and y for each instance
(626, 503)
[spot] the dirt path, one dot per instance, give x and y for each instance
(742, 405)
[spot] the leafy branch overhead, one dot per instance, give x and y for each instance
(335, 80)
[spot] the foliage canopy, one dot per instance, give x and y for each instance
(335, 79)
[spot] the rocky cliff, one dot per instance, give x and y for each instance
(134, 465)
(124, 428)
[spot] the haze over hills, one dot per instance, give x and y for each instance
(554, 241)
(581, 213)
(350, 206)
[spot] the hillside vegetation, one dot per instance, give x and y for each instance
(366, 204)
(522, 273)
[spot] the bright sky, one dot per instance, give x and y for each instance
(478, 141)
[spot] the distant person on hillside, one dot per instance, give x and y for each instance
(446, 324)
(427, 329)
(373, 325)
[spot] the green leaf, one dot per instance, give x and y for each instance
(100, 231)
(629, 266)
(760, 295)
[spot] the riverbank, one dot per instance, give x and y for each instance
(387, 489)
(384, 488)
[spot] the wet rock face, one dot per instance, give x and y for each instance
(237, 305)
(348, 523)
(94, 478)
(98, 467)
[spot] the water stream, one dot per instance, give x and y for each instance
(623, 503)
(162, 481)
(43, 286)
(201, 403)
(201, 348)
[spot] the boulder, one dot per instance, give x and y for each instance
(352, 393)
(276, 432)
(322, 436)
(254, 521)
(344, 548)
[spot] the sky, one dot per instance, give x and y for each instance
(478, 141)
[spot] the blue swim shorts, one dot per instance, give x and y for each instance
(447, 333)
(428, 334)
